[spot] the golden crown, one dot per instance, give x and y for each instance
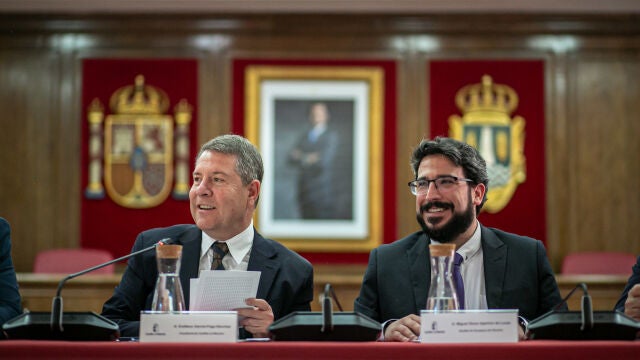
(487, 96)
(139, 99)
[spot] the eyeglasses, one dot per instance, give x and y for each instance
(442, 183)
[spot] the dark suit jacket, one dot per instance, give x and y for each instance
(316, 185)
(10, 305)
(516, 270)
(286, 280)
(633, 279)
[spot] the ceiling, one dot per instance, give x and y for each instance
(320, 6)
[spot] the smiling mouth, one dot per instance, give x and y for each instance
(206, 207)
(435, 208)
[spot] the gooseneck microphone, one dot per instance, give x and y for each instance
(327, 310)
(587, 309)
(56, 306)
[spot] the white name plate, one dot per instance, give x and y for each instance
(469, 326)
(189, 326)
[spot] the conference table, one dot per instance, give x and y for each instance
(530, 349)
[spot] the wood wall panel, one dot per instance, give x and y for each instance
(592, 75)
(34, 191)
(605, 159)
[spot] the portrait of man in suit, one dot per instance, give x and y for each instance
(314, 156)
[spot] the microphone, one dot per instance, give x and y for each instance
(56, 306)
(325, 325)
(87, 326)
(587, 310)
(584, 324)
(327, 310)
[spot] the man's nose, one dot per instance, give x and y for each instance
(432, 191)
(202, 189)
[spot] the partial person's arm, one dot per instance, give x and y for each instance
(632, 304)
(10, 303)
(633, 282)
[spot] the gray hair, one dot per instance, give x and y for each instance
(461, 154)
(248, 159)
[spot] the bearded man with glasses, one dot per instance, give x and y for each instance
(499, 270)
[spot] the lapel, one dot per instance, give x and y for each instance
(420, 270)
(190, 241)
(263, 259)
(495, 262)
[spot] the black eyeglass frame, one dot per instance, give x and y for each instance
(413, 185)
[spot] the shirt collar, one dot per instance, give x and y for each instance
(472, 246)
(239, 245)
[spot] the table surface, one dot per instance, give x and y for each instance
(532, 349)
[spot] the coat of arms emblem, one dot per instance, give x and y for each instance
(486, 125)
(138, 154)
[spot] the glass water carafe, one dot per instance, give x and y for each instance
(168, 294)
(442, 293)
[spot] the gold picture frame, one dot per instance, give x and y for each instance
(274, 99)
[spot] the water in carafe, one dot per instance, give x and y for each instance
(442, 294)
(168, 295)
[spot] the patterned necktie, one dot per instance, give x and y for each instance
(457, 280)
(220, 249)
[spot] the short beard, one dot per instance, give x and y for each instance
(456, 226)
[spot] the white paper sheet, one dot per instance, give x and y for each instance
(217, 290)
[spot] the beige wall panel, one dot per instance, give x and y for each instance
(34, 192)
(604, 133)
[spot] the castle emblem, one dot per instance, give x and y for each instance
(137, 158)
(486, 125)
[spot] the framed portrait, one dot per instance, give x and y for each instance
(319, 130)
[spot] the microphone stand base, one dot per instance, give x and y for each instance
(78, 326)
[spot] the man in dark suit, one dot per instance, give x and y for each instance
(314, 155)
(629, 302)
(499, 270)
(10, 305)
(226, 186)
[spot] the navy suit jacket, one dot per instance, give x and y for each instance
(286, 280)
(516, 270)
(10, 305)
(633, 279)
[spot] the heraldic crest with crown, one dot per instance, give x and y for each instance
(138, 157)
(487, 126)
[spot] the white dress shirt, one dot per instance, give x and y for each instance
(239, 250)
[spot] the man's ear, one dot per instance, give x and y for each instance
(254, 191)
(478, 193)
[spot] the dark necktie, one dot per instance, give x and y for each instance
(220, 249)
(457, 280)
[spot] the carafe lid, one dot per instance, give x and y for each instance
(442, 249)
(168, 251)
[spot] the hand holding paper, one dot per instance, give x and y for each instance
(256, 319)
